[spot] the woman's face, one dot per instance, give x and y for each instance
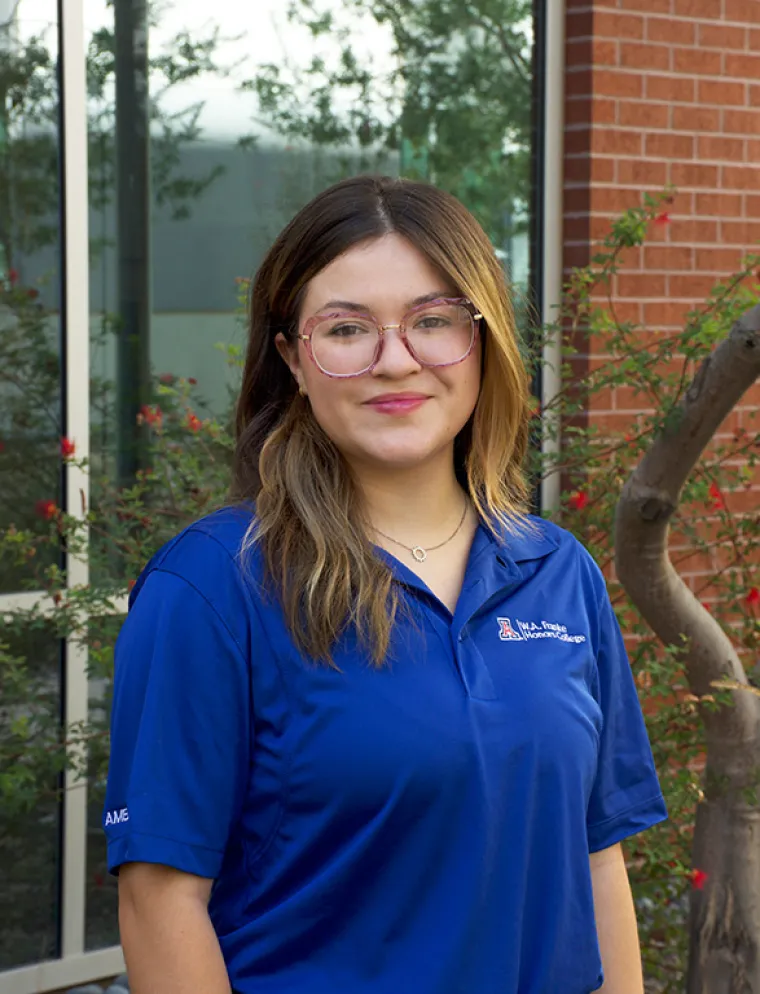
(400, 414)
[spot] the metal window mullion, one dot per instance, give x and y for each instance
(76, 393)
(553, 172)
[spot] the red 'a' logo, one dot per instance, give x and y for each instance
(507, 632)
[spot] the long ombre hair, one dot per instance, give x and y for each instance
(309, 521)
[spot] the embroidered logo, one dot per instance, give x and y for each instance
(507, 632)
(117, 817)
(521, 631)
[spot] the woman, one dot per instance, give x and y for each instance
(381, 736)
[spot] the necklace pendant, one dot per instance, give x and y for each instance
(419, 554)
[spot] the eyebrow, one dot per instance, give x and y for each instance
(351, 305)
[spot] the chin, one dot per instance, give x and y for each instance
(394, 454)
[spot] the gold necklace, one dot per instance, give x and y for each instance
(417, 551)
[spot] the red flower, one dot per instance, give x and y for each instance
(130, 585)
(13, 276)
(662, 218)
(705, 605)
(150, 415)
(2, 445)
(579, 500)
(68, 448)
(698, 879)
(753, 597)
(192, 381)
(194, 423)
(166, 378)
(46, 509)
(32, 293)
(718, 503)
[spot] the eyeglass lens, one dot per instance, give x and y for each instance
(439, 334)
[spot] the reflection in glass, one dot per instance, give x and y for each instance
(101, 919)
(30, 414)
(30, 825)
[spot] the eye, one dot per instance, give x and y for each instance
(347, 330)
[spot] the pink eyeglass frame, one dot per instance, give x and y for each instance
(313, 321)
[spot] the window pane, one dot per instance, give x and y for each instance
(29, 808)
(29, 271)
(101, 921)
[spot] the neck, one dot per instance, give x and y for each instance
(414, 505)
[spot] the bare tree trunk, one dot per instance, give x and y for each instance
(725, 915)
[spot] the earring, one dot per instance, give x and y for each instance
(301, 390)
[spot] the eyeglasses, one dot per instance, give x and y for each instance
(439, 333)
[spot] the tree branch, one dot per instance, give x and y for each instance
(643, 515)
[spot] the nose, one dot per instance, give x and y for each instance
(395, 358)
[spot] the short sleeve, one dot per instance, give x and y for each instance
(180, 731)
(626, 796)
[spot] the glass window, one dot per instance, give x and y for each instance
(30, 809)
(30, 414)
(101, 919)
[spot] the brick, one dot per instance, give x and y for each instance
(669, 258)
(670, 88)
(604, 111)
(743, 11)
(664, 29)
(743, 233)
(741, 122)
(753, 42)
(576, 229)
(644, 56)
(640, 286)
(578, 110)
(648, 6)
(612, 83)
(609, 24)
(718, 260)
(694, 231)
(723, 93)
(751, 206)
(690, 287)
(577, 169)
(669, 146)
(632, 113)
(742, 66)
(723, 36)
(613, 141)
(639, 172)
(745, 178)
(720, 149)
(611, 200)
(579, 82)
(578, 140)
(683, 174)
(602, 169)
(599, 52)
(697, 62)
(693, 119)
(698, 8)
(632, 399)
(579, 20)
(721, 204)
(665, 314)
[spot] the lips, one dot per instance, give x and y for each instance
(397, 403)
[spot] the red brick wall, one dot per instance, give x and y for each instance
(664, 92)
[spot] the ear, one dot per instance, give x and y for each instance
(289, 354)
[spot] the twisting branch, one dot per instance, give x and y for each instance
(645, 508)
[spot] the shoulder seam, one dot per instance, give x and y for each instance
(192, 586)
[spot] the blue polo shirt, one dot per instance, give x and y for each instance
(423, 828)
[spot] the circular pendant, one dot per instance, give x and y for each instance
(419, 554)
